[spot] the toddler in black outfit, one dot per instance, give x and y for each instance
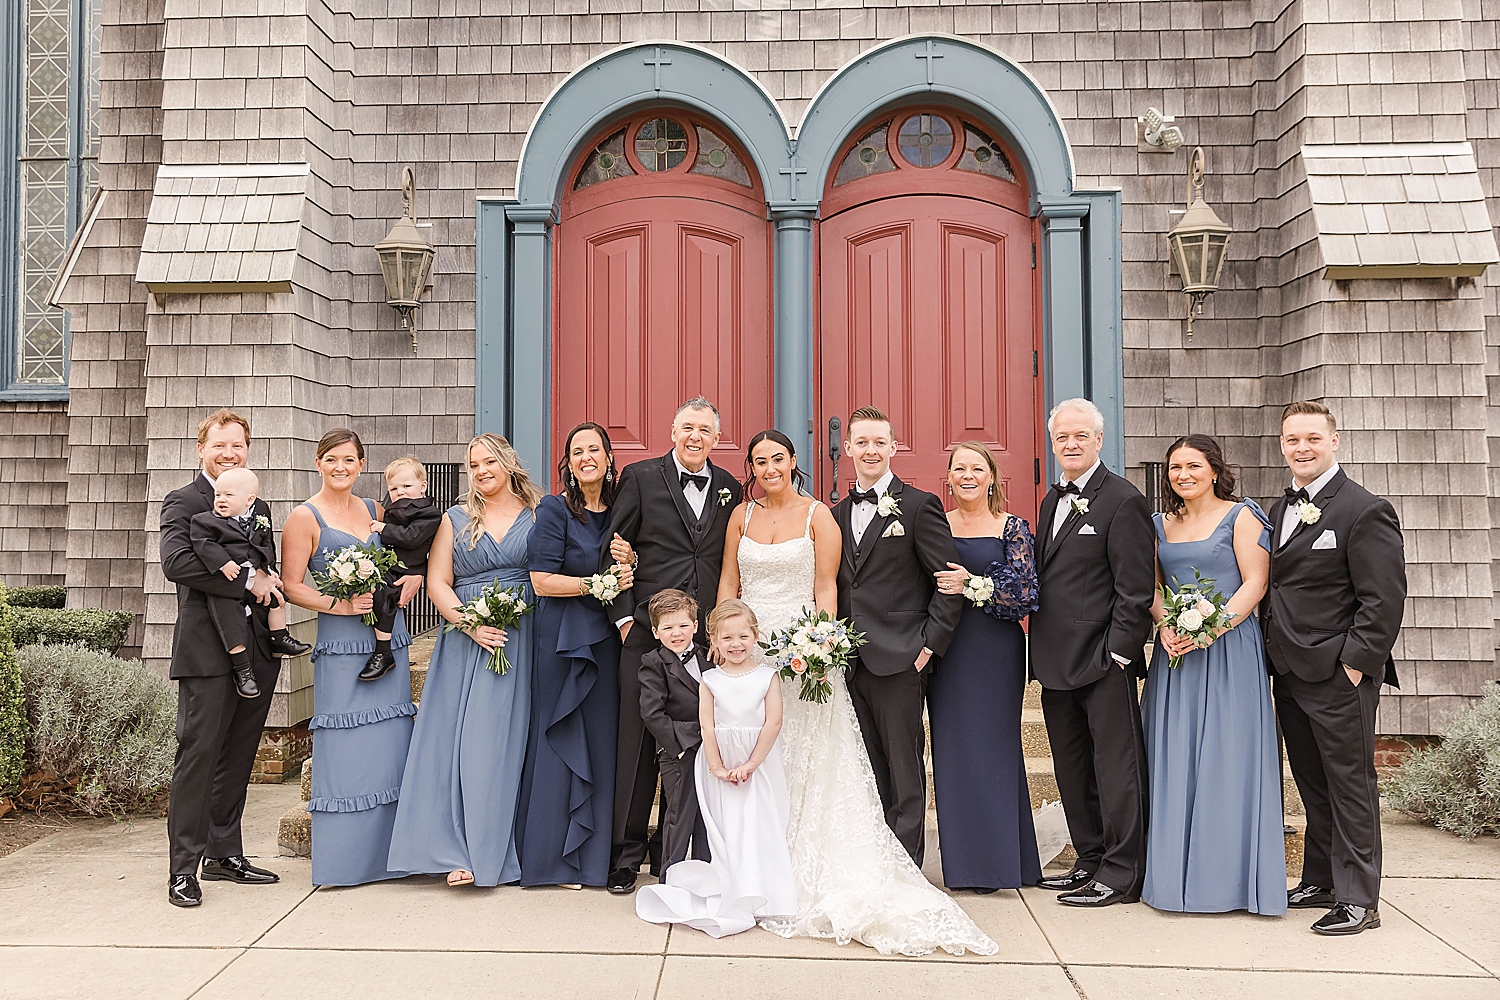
(411, 523)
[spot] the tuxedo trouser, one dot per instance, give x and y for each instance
(218, 733)
(890, 720)
(682, 820)
(1329, 728)
(635, 764)
(1099, 758)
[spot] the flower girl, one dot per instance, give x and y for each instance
(742, 794)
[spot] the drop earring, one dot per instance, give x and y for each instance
(609, 474)
(992, 489)
(572, 480)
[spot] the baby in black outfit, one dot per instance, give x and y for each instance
(411, 523)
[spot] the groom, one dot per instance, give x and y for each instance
(895, 538)
(673, 511)
(1331, 614)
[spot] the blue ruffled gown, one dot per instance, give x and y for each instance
(463, 775)
(568, 787)
(1215, 842)
(360, 732)
(985, 832)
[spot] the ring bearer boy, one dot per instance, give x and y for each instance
(411, 523)
(670, 675)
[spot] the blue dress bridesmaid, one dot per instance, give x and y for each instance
(360, 732)
(568, 787)
(463, 775)
(1215, 842)
(985, 833)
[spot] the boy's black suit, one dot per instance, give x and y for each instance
(669, 709)
(218, 540)
(410, 527)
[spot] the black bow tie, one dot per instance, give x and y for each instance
(1067, 488)
(1294, 495)
(699, 480)
(688, 656)
(864, 496)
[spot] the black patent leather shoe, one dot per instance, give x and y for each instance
(182, 890)
(1094, 894)
(621, 881)
(244, 682)
(1307, 897)
(285, 645)
(1075, 879)
(236, 869)
(377, 666)
(1346, 918)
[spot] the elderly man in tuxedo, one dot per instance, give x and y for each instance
(1096, 565)
(1331, 615)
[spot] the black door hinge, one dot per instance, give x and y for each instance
(1036, 471)
(1034, 365)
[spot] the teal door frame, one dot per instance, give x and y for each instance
(1079, 251)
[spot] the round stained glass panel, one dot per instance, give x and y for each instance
(661, 144)
(925, 140)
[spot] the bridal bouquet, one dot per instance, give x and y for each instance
(354, 570)
(1195, 610)
(810, 648)
(604, 586)
(498, 607)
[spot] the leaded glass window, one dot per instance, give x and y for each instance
(717, 158)
(925, 140)
(982, 155)
(605, 163)
(661, 144)
(869, 156)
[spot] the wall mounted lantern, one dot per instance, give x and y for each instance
(405, 258)
(1199, 244)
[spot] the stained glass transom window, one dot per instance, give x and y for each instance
(661, 144)
(716, 158)
(982, 155)
(869, 156)
(605, 163)
(925, 140)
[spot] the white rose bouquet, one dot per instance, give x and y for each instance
(355, 570)
(605, 586)
(498, 607)
(810, 648)
(1195, 610)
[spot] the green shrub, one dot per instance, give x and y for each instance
(37, 597)
(12, 709)
(103, 730)
(102, 631)
(1456, 786)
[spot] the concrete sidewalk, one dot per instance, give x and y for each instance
(83, 914)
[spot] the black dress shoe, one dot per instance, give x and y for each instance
(621, 881)
(983, 892)
(1075, 879)
(244, 682)
(1346, 918)
(285, 645)
(236, 869)
(1096, 893)
(377, 666)
(182, 890)
(1307, 897)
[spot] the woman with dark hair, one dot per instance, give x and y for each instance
(1215, 840)
(975, 695)
(563, 829)
(360, 730)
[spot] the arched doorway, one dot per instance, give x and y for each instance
(927, 297)
(662, 286)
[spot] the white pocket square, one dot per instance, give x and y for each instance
(1327, 540)
(1087, 529)
(894, 531)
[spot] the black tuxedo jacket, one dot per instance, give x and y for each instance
(191, 655)
(218, 540)
(669, 699)
(1342, 602)
(1097, 581)
(676, 550)
(410, 527)
(886, 587)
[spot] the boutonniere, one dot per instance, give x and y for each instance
(1308, 512)
(1080, 505)
(262, 522)
(725, 496)
(888, 506)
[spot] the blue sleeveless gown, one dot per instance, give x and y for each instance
(1215, 840)
(360, 732)
(463, 776)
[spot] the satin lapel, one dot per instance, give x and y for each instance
(1044, 526)
(876, 528)
(1090, 492)
(1326, 497)
(1277, 514)
(205, 490)
(674, 487)
(711, 500)
(843, 513)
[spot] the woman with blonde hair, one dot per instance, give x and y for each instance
(463, 776)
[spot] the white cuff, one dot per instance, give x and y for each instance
(249, 577)
(1120, 659)
(622, 621)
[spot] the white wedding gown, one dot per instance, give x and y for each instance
(855, 882)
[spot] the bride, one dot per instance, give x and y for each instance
(855, 881)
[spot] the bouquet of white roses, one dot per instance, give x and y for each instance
(811, 648)
(980, 589)
(1195, 610)
(354, 570)
(605, 586)
(498, 607)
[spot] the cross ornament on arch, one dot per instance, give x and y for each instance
(656, 62)
(793, 172)
(929, 55)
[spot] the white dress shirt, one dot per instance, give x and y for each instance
(1064, 507)
(1289, 519)
(696, 497)
(864, 512)
(692, 666)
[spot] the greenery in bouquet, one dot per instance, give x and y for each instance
(498, 607)
(605, 586)
(811, 648)
(355, 570)
(1195, 610)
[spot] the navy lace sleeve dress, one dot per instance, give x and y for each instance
(985, 833)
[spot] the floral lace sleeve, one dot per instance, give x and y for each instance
(1015, 576)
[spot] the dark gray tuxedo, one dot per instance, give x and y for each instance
(669, 708)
